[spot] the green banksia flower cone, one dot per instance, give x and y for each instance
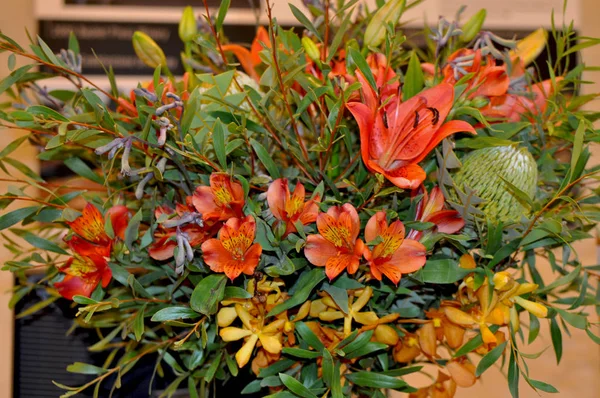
(483, 171)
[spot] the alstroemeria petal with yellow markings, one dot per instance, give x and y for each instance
(243, 355)
(226, 316)
(233, 333)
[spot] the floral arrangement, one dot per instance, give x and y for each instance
(329, 210)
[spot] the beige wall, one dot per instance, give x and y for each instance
(579, 372)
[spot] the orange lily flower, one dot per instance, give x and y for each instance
(164, 244)
(233, 252)
(290, 208)
(431, 209)
(91, 236)
(82, 275)
(395, 139)
(395, 255)
(221, 201)
(250, 59)
(336, 247)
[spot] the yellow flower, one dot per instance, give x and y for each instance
(333, 312)
(254, 330)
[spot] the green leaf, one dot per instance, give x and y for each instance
(170, 313)
(85, 369)
(212, 369)
(567, 279)
(208, 293)
(78, 167)
(46, 113)
(14, 77)
(16, 216)
(277, 367)
(23, 168)
(356, 58)
(375, 380)
(308, 336)
(233, 292)
(441, 271)
(340, 296)
(265, 159)
(556, 335)
(366, 349)
(307, 283)
(489, 359)
(575, 320)
(10, 148)
(221, 14)
(305, 21)
(138, 323)
(39, 242)
(513, 376)
(534, 328)
(295, 386)
(132, 231)
(414, 80)
(219, 143)
(73, 43)
(301, 353)
(545, 387)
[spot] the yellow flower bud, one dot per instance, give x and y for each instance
(530, 47)
(501, 280)
(386, 334)
(376, 30)
(187, 25)
(467, 261)
(536, 309)
(515, 323)
(525, 288)
(147, 50)
(473, 26)
(311, 49)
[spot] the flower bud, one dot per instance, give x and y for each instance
(479, 102)
(525, 288)
(147, 50)
(530, 47)
(376, 30)
(515, 323)
(386, 334)
(311, 49)
(187, 25)
(536, 309)
(501, 280)
(473, 26)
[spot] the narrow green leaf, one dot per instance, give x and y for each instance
(39, 242)
(10, 148)
(73, 43)
(340, 296)
(85, 369)
(489, 359)
(46, 113)
(570, 277)
(221, 14)
(303, 19)
(414, 80)
(575, 320)
(356, 58)
(16, 216)
(219, 143)
(14, 77)
(441, 271)
(78, 167)
(301, 353)
(556, 335)
(308, 336)
(265, 159)
(545, 387)
(132, 231)
(534, 328)
(375, 380)
(170, 313)
(295, 386)
(138, 323)
(513, 376)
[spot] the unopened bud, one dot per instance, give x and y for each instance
(536, 309)
(530, 47)
(376, 30)
(147, 50)
(479, 102)
(187, 25)
(515, 323)
(472, 27)
(311, 49)
(501, 280)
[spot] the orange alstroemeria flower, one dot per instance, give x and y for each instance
(337, 247)
(91, 237)
(221, 201)
(431, 209)
(250, 59)
(290, 208)
(394, 139)
(233, 252)
(82, 275)
(164, 244)
(394, 255)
